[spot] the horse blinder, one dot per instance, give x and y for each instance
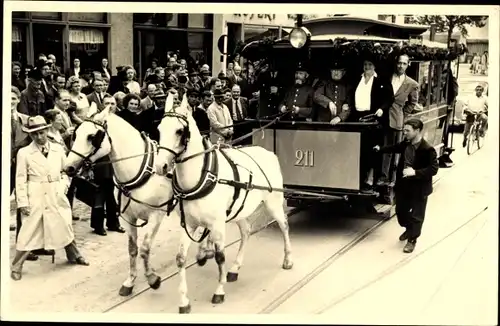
(96, 140)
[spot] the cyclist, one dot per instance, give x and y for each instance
(476, 105)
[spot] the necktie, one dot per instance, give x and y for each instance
(238, 111)
(45, 152)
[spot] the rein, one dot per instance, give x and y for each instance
(122, 186)
(214, 147)
(209, 177)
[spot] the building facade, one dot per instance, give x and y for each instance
(122, 38)
(86, 36)
(136, 39)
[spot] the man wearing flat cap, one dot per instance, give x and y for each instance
(205, 77)
(41, 199)
(32, 99)
(299, 98)
(194, 81)
(334, 96)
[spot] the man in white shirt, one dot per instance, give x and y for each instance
(476, 104)
(238, 107)
(148, 102)
(220, 119)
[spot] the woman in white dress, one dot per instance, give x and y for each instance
(83, 108)
(132, 85)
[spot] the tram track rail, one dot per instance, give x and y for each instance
(292, 212)
(284, 296)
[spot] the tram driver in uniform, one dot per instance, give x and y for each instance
(299, 98)
(334, 96)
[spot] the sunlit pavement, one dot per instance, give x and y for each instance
(451, 277)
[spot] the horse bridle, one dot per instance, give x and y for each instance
(96, 140)
(185, 135)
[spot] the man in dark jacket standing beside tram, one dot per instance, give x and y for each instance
(417, 166)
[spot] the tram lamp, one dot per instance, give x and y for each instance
(299, 36)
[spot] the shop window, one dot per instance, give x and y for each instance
(192, 46)
(47, 39)
(94, 17)
(19, 44)
(89, 45)
(159, 20)
(198, 21)
(46, 15)
(19, 14)
(423, 81)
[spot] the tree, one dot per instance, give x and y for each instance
(449, 23)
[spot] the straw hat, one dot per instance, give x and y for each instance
(35, 123)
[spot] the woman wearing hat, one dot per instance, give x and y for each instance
(41, 198)
(371, 96)
(83, 107)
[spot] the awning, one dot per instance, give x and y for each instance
(86, 36)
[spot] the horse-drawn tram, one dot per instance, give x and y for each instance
(321, 157)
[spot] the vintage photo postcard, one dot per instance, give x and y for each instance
(250, 163)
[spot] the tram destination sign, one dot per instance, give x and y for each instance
(317, 158)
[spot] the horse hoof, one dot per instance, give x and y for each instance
(185, 310)
(232, 277)
(287, 265)
(218, 298)
(154, 282)
(125, 290)
(202, 261)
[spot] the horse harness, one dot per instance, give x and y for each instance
(209, 178)
(141, 178)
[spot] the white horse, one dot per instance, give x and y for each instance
(203, 183)
(146, 193)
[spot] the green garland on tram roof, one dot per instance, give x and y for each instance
(367, 49)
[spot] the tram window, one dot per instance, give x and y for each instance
(435, 84)
(443, 85)
(423, 81)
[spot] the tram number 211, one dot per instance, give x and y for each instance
(304, 158)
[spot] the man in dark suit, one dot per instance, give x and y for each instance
(238, 107)
(98, 94)
(271, 91)
(414, 173)
(405, 91)
(32, 99)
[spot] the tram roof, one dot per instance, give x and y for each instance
(414, 28)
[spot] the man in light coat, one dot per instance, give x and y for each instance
(41, 199)
(220, 119)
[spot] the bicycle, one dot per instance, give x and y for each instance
(475, 135)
